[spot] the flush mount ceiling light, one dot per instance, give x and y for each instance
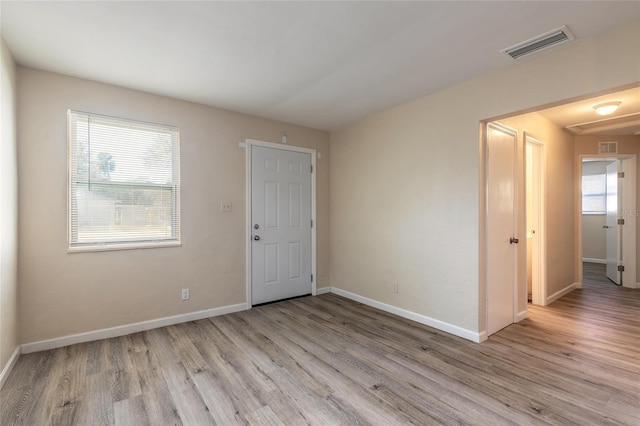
(607, 107)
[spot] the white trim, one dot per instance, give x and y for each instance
(123, 330)
(323, 290)
(123, 246)
(522, 315)
(248, 144)
(482, 336)
(558, 294)
(593, 260)
(9, 366)
(422, 319)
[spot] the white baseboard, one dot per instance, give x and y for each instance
(522, 315)
(422, 319)
(10, 364)
(323, 290)
(593, 260)
(123, 330)
(558, 294)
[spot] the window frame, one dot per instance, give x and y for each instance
(175, 187)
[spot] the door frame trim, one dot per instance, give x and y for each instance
(249, 143)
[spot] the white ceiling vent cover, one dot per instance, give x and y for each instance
(607, 147)
(541, 42)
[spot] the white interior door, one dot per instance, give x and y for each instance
(535, 216)
(501, 225)
(281, 224)
(612, 228)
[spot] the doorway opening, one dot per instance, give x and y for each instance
(607, 220)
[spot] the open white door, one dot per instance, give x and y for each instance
(535, 217)
(613, 231)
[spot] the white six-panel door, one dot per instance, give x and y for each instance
(280, 224)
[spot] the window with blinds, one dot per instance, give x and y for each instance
(594, 194)
(124, 183)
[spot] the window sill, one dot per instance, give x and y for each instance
(123, 246)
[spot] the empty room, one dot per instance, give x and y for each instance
(319, 213)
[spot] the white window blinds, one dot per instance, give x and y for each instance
(124, 183)
(594, 194)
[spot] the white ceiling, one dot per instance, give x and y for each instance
(581, 119)
(318, 64)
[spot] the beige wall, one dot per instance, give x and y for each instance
(558, 202)
(9, 337)
(63, 294)
(588, 145)
(406, 183)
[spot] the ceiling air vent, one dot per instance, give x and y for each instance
(607, 147)
(541, 42)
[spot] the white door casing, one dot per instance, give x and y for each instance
(613, 230)
(280, 213)
(501, 225)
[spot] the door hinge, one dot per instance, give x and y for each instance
(620, 221)
(621, 268)
(312, 223)
(620, 175)
(312, 168)
(311, 277)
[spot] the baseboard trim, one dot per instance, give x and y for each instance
(10, 364)
(593, 260)
(522, 315)
(558, 294)
(323, 290)
(123, 330)
(422, 319)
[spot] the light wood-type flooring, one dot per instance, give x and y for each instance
(326, 360)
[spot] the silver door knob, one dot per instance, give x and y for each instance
(256, 237)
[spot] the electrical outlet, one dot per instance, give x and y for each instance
(226, 206)
(395, 287)
(185, 294)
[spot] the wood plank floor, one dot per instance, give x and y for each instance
(595, 273)
(329, 361)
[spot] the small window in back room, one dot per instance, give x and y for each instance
(124, 183)
(594, 194)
